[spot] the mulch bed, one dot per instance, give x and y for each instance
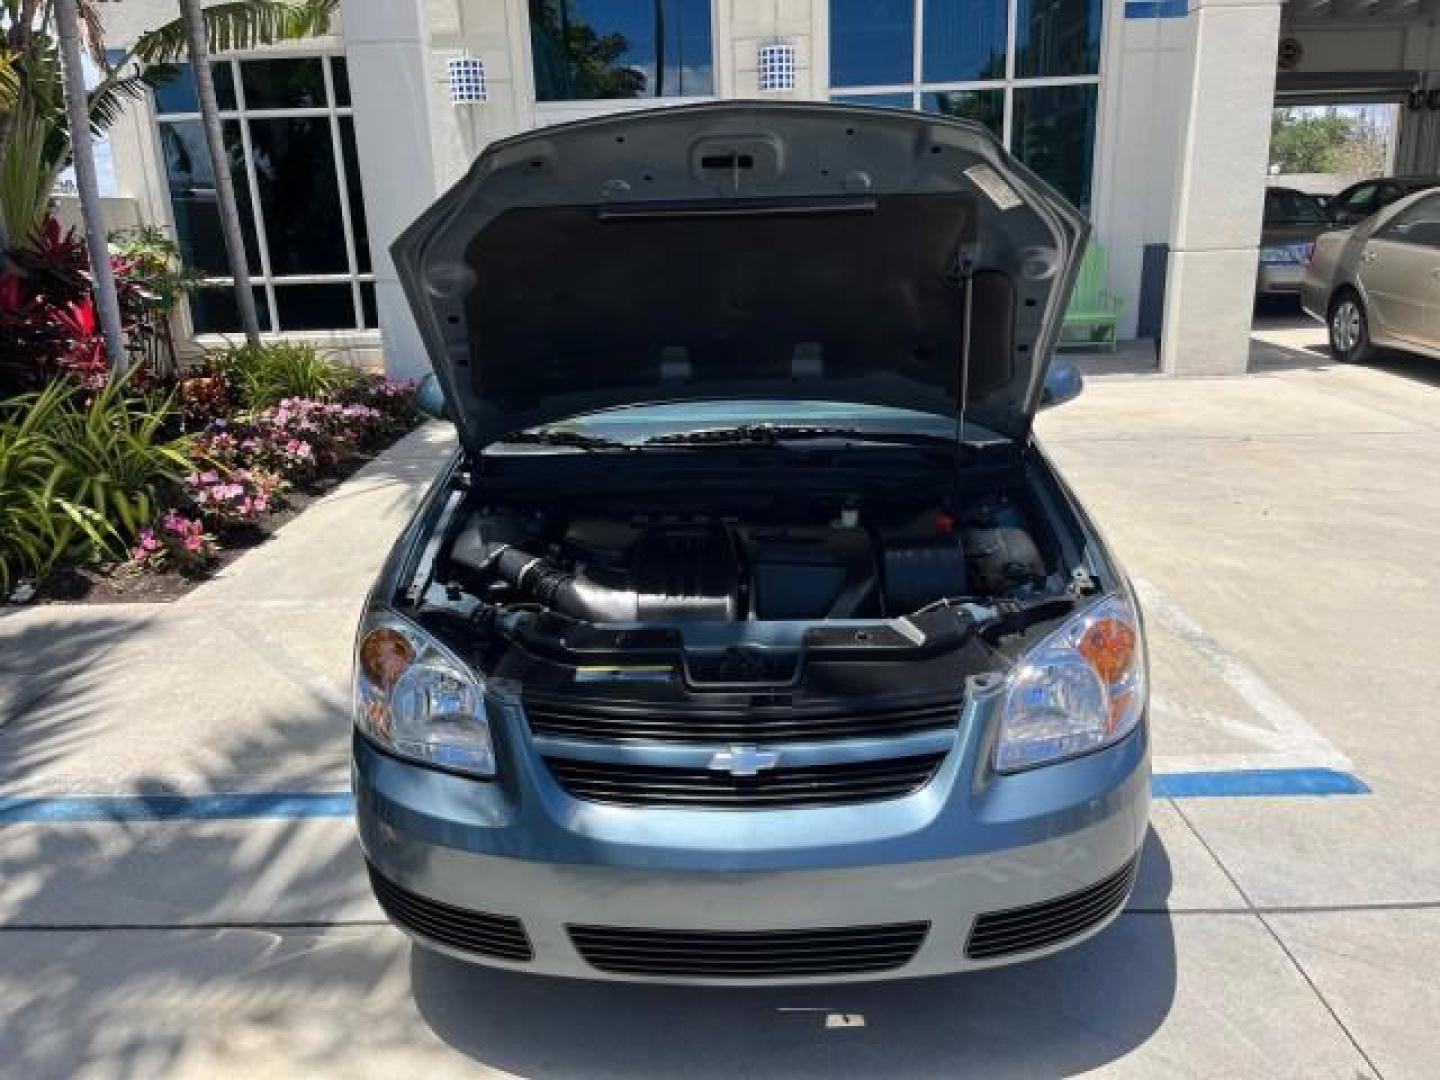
(101, 585)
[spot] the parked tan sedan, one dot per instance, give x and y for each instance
(1377, 285)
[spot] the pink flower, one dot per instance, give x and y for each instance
(194, 542)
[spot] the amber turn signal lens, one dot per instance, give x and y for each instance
(1109, 647)
(384, 656)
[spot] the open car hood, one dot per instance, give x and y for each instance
(742, 251)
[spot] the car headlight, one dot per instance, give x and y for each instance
(1081, 689)
(418, 700)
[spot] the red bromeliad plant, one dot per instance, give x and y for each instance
(48, 322)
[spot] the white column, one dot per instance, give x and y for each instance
(1215, 226)
(387, 53)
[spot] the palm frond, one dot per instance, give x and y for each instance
(108, 100)
(9, 79)
(92, 32)
(240, 24)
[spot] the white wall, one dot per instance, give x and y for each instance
(1144, 103)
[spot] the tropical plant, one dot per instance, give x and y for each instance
(39, 521)
(174, 542)
(267, 374)
(112, 455)
(240, 24)
(9, 79)
(48, 320)
(34, 531)
(150, 260)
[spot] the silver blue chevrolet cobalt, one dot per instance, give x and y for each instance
(749, 637)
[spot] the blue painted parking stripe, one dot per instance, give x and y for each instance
(58, 809)
(227, 807)
(1254, 782)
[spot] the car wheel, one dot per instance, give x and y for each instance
(1349, 329)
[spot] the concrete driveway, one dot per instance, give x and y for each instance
(1281, 527)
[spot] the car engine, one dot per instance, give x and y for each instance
(844, 561)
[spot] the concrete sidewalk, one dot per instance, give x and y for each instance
(241, 685)
(1282, 528)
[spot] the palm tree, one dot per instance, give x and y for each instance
(77, 110)
(194, 20)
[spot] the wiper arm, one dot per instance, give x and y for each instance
(772, 434)
(562, 437)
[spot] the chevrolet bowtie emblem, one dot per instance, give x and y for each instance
(744, 760)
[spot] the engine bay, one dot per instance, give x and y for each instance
(761, 558)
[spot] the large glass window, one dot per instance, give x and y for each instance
(1057, 37)
(290, 139)
(964, 40)
(587, 49)
(1054, 134)
(1037, 89)
(872, 42)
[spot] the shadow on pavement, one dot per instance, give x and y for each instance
(1267, 354)
(1062, 1015)
(47, 660)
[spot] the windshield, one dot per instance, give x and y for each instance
(639, 423)
(1293, 208)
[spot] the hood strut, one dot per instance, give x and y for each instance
(965, 261)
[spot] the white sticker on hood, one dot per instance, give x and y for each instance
(993, 185)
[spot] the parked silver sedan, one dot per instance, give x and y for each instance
(1292, 221)
(1377, 285)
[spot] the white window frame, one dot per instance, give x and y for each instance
(1009, 84)
(266, 279)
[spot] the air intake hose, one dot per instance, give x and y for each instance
(562, 591)
(540, 579)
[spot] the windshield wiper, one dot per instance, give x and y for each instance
(560, 437)
(773, 434)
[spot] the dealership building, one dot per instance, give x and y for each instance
(1153, 116)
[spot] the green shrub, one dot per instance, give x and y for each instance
(265, 375)
(39, 521)
(112, 463)
(30, 527)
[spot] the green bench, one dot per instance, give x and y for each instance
(1094, 310)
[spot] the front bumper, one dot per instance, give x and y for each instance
(1280, 279)
(955, 851)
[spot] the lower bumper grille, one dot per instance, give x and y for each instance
(500, 936)
(757, 954)
(817, 785)
(1023, 929)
